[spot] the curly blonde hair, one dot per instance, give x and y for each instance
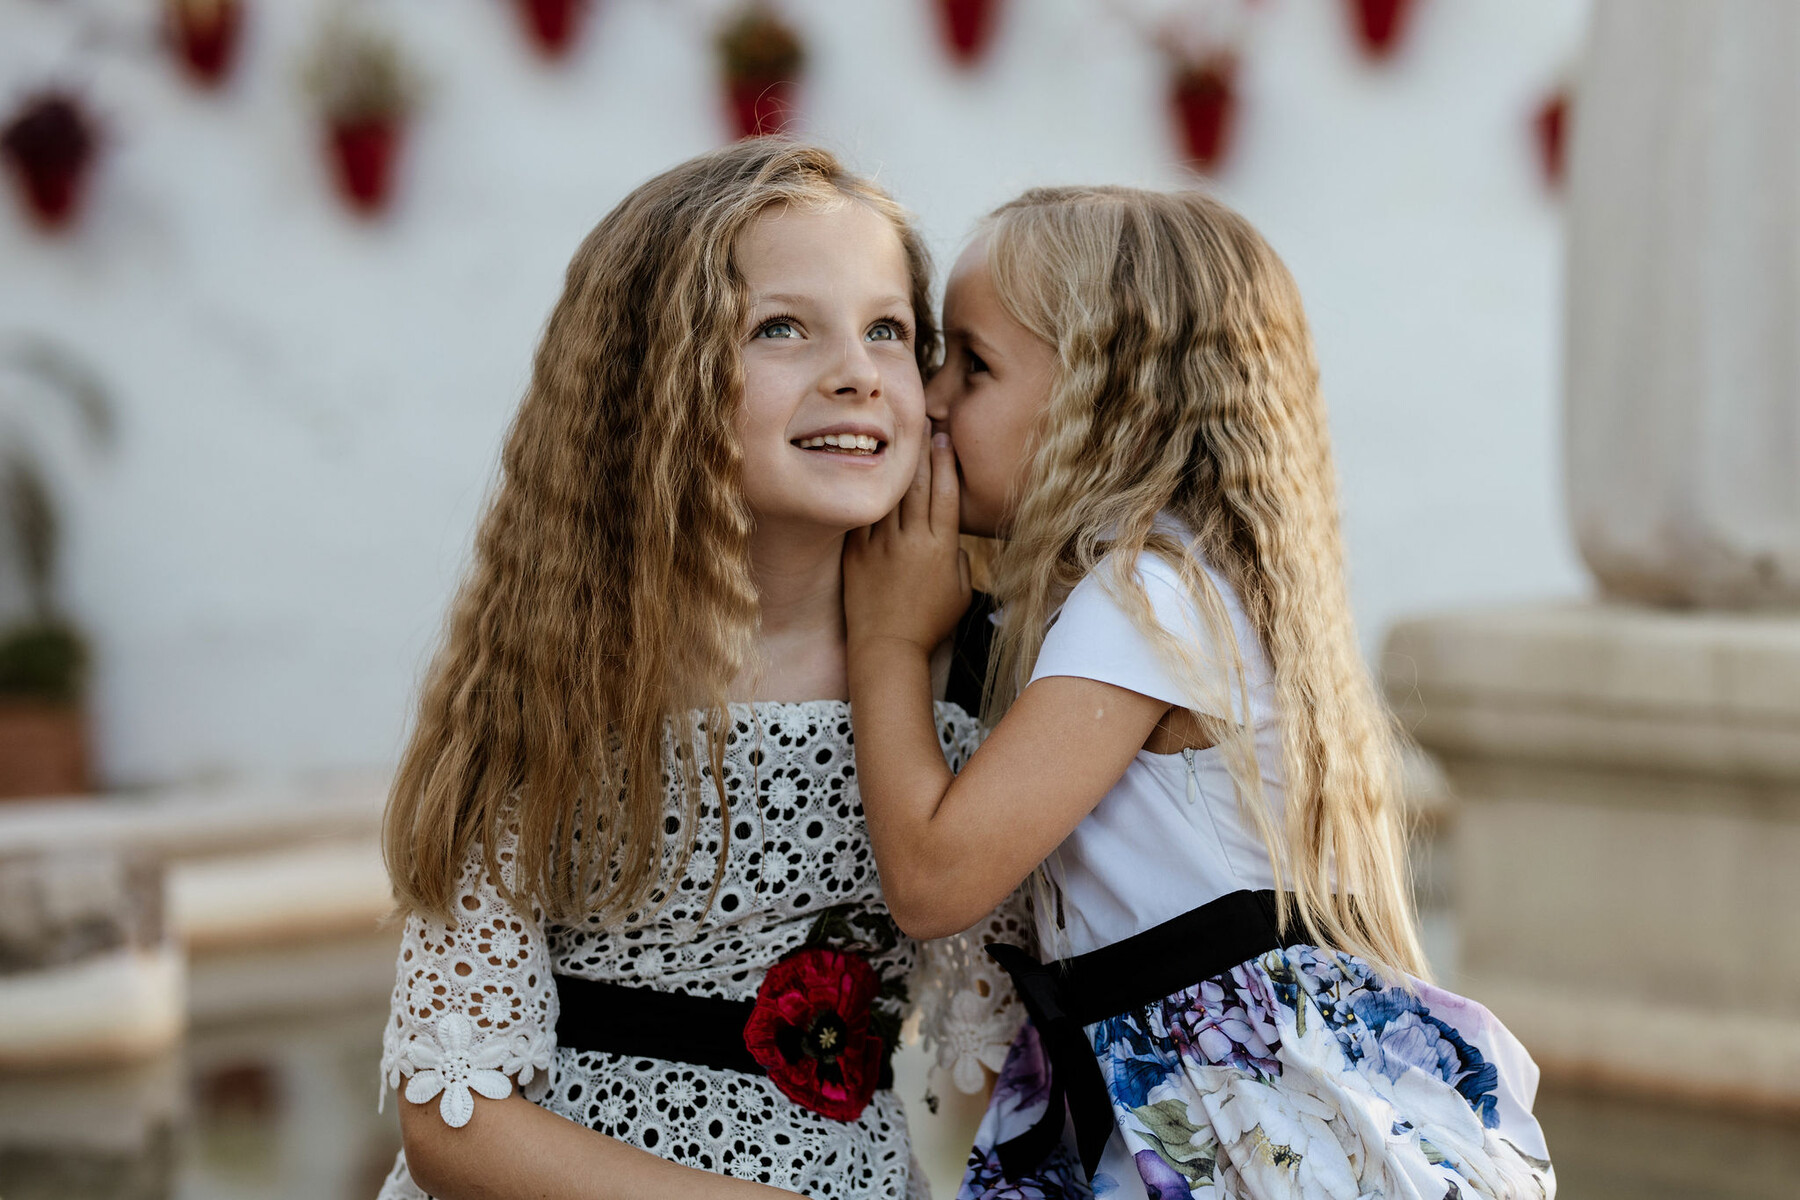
(1186, 384)
(611, 584)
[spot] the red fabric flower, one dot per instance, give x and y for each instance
(810, 1031)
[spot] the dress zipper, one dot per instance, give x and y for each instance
(1193, 778)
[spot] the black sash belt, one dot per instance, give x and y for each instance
(704, 1031)
(1064, 996)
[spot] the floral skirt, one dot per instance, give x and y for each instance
(1297, 1075)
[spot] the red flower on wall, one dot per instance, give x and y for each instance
(968, 26)
(552, 24)
(760, 58)
(810, 1031)
(1379, 24)
(50, 144)
(366, 91)
(206, 32)
(1203, 95)
(1551, 124)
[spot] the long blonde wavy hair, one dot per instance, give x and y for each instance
(1186, 384)
(611, 585)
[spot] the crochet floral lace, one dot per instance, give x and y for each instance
(475, 1009)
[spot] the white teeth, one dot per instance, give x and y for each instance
(854, 443)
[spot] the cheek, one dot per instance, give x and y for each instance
(992, 434)
(903, 459)
(906, 399)
(979, 432)
(761, 428)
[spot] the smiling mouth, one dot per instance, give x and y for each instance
(854, 444)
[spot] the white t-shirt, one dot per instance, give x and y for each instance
(1147, 852)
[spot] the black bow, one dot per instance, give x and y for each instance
(1075, 1078)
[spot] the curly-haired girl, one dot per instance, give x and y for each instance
(645, 952)
(1191, 746)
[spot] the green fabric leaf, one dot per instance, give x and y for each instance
(1171, 1135)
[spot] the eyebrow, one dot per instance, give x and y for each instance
(980, 344)
(892, 298)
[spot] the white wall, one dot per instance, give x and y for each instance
(311, 405)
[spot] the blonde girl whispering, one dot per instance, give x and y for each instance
(645, 951)
(1192, 761)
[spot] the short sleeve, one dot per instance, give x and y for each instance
(1094, 637)
(474, 1006)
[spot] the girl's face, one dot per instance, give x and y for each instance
(991, 394)
(834, 410)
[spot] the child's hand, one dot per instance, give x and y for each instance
(905, 577)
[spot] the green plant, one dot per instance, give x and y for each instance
(43, 662)
(358, 73)
(754, 43)
(42, 657)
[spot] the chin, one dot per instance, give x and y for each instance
(843, 517)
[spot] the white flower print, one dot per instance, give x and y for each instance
(451, 1067)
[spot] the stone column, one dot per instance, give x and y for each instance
(1627, 771)
(1684, 303)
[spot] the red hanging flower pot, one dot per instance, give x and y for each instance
(363, 153)
(552, 24)
(1379, 24)
(760, 106)
(206, 33)
(1203, 96)
(968, 26)
(810, 1031)
(50, 145)
(760, 58)
(366, 92)
(1551, 125)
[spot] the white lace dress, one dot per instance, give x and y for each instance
(475, 1006)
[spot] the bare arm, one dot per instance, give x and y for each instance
(951, 847)
(513, 1150)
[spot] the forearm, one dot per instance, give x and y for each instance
(511, 1149)
(901, 771)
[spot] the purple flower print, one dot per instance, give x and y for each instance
(1161, 1181)
(1211, 1024)
(1058, 1177)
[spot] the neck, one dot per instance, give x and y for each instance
(800, 581)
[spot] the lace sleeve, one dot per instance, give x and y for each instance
(967, 1009)
(474, 1007)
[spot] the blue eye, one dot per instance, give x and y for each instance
(890, 329)
(777, 327)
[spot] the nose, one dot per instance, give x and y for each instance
(854, 373)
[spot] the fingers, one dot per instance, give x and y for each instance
(944, 515)
(914, 509)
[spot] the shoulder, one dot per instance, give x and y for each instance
(1102, 596)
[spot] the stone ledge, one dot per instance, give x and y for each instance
(120, 1006)
(1622, 1043)
(308, 892)
(1604, 685)
(196, 822)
